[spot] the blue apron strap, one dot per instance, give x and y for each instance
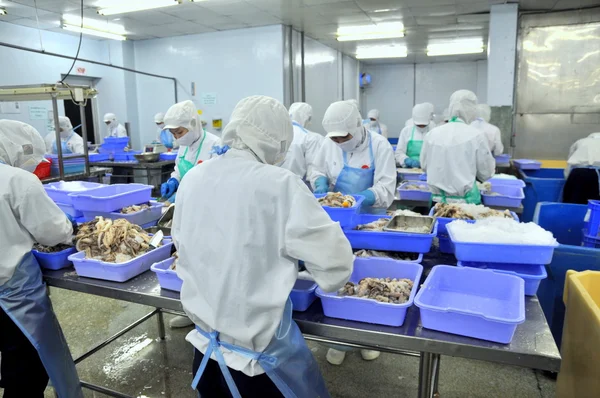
(345, 157)
(371, 151)
(298, 125)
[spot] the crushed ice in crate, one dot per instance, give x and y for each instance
(502, 231)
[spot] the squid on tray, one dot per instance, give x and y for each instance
(336, 199)
(111, 241)
(134, 208)
(385, 290)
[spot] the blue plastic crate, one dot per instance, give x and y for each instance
(413, 194)
(168, 156)
(347, 217)
(527, 164)
(510, 196)
(59, 191)
(54, 261)
(167, 278)
(593, 218)
(471, 302)
(507, 181)
(532, 275)
(98, 157)
(389, 241)
(303, 294)
(502, 159)
(368, 310)
(70, 210)
(145, 218)
(544, 185)
(112, 197)
(445, 244)
(502, 252)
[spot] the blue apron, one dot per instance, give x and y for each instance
(287, 361)
(63, 144)
(25, 301)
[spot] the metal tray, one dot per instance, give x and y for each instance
(153, 230)
(398, 222)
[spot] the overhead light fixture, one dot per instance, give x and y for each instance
(455, 48)
(2, 11)
(93, 32)
(136, 5)
(388, 30)
(95, 24)
(376, 52)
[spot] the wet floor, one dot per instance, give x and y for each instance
(141, 365)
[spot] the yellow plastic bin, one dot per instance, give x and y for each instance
(580, 371)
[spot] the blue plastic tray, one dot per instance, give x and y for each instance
(143, 217)
(367, 310)
(418, 260)
(120, 272)
(303, 294)
(502, 159)
(168, 156)
(527, 164)
(443, 222)
(532, 275)
(70, 210)
(98, 157)
(471, 302)
(388, 241)
(512, 196)
(411, 194)
(167, 278)
(112, 197)
(59, 191)
(505, 181)
(54, 261)
(445, 244)
(502, 253)
(347, 217)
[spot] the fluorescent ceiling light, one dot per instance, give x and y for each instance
(102, 25)
(373, 52)
(2, 11)
(456, 47)
(388, 30)
(136, 5)
(93, 32)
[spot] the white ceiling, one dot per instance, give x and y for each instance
(424, 20)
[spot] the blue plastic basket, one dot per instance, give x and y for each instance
(502, 252)
(368, 310)
(388, 241)
(443, 221)
(502, 159)
(98, 157)
(303, 294)
(543, 185)
(412, 194)
(527, 164)
(471, 302)
(532, 275)
(54, 261)
(142, 218)
(59, 191)
(593, 218)
(506, 181)
(511, 196)
(70, 210)
(120, 272)
(112, 197)
(167, 278)
(347, 217)
(168, 156)
(445, 244)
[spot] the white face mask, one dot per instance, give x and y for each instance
(350, 145)
(189, 138)
(373, 123)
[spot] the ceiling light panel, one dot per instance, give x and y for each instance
(455, 47)
(387, 30)
(93, 32)
(123, 7)
(97, 24)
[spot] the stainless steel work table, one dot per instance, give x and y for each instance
(532, 347)
(95, 173)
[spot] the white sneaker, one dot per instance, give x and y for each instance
(335, 357)
(369, 355)
(180, 322)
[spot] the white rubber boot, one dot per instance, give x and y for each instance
(335, 357)
(369, 355)
(180, 322)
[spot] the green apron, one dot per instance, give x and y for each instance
(185, 165)
(473, 196)
(413, 148)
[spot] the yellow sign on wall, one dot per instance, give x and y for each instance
(217, 123)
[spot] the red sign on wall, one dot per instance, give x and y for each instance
(80, 70)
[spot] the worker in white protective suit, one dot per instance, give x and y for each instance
(373, 124)
(431, 111)
(491, 132)
(114, 128)
(236, 281)
(163, 135)
(353, 160)
(583, 171)
(70, 141)
(455, 155)
(32, 345)
(410, 141)
(302, 154)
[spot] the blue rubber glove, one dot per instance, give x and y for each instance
(321, 185)
(412, 163)
(73, 223)
(172, 198)
(369, 197)
(169, 188)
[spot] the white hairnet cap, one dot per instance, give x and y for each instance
(484, 111)
(421, 114)
(463, 104)
(373, 113)
(20, 144)
(353, 102)
(159, 117)
(430, 106)
(182, 114)
(342, 118)
(110, 117)
(262, 124)
(301, 112)
(65, 123)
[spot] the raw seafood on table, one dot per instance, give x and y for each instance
(465, 211)
(416, 187)
(134, 208)
(484, 186)
(113, 241)
(337, 199)
(377, 225)
(51, 249)
(385, 290)
(393, 255)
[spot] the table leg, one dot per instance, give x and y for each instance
(428, 372)
(436, 376)
(161, 324)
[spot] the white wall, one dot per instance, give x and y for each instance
(19, 67)
(396, 88)
(351, 71)
(231, 64)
